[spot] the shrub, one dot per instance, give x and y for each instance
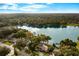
(4, 51)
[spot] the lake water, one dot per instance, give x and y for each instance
(57, 34)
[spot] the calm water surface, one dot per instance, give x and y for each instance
(57, 34)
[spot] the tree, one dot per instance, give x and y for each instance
(50, 49)
(32, 46)
(67, 42)
(78, 38)
(21, 43)
(44, 38)
(20, 34)
(68, 48)
(69, 51)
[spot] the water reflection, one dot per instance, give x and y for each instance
(57, 34)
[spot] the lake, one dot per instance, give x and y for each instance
(57, 34)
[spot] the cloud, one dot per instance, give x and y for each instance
(24, 8)
(9, 7)
(33, 7)
(36, 6)
(61, 11)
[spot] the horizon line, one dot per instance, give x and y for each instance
(37, 13)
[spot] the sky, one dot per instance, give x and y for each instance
(39, 7)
